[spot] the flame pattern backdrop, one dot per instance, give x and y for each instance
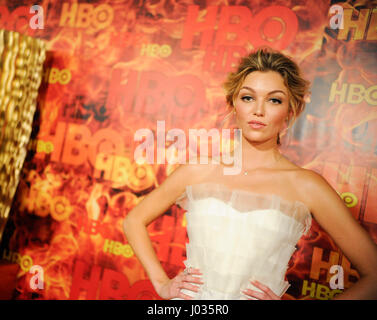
(114, 67)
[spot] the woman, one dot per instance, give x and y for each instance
(246, 226)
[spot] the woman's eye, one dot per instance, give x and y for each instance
(246, 98)
(276, 101)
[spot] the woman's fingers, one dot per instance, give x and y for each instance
(189, 276)
(266, 290)
(194, 279)
(192, 271)
(256, 294)
(189, 286)
(267, 293)
(195, 270)
(186, 279)
(184, 296)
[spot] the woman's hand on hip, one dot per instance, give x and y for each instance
(172, 287)
(266, 294)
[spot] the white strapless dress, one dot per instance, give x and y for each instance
(237, 235)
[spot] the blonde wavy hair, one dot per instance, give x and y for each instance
(267, 59)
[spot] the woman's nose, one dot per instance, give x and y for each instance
(258, 108)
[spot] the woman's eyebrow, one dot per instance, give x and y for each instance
(277, 91)
(252, 90)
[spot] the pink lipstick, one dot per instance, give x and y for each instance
(256, 124)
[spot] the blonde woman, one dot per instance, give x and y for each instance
(243, 228)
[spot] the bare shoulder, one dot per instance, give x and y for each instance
(196, 172)
(331, 213)
(309, 179)
(300, 176)
(334, 217)
(313, 188)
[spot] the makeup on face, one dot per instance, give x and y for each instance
(262, 104)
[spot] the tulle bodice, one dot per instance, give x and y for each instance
(236, 235)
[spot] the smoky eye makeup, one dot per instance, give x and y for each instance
(276, 100)
(246, 97)
(246, 94)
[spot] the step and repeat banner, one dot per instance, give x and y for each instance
(114, 67)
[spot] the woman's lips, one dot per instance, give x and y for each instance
(256, 124)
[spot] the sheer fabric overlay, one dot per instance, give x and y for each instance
(238, 235)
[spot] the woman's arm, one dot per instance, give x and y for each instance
(152, 206)
(335, 218)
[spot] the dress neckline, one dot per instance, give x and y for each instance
(252, 193)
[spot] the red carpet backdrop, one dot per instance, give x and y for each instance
(114, 67)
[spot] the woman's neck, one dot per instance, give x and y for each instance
(259, 155)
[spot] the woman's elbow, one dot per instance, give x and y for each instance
(125, 224)
(129, 221)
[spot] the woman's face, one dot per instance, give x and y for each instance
(263, 98)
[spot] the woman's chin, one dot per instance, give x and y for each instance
(258, 138)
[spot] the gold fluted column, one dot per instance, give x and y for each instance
(21, 64)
